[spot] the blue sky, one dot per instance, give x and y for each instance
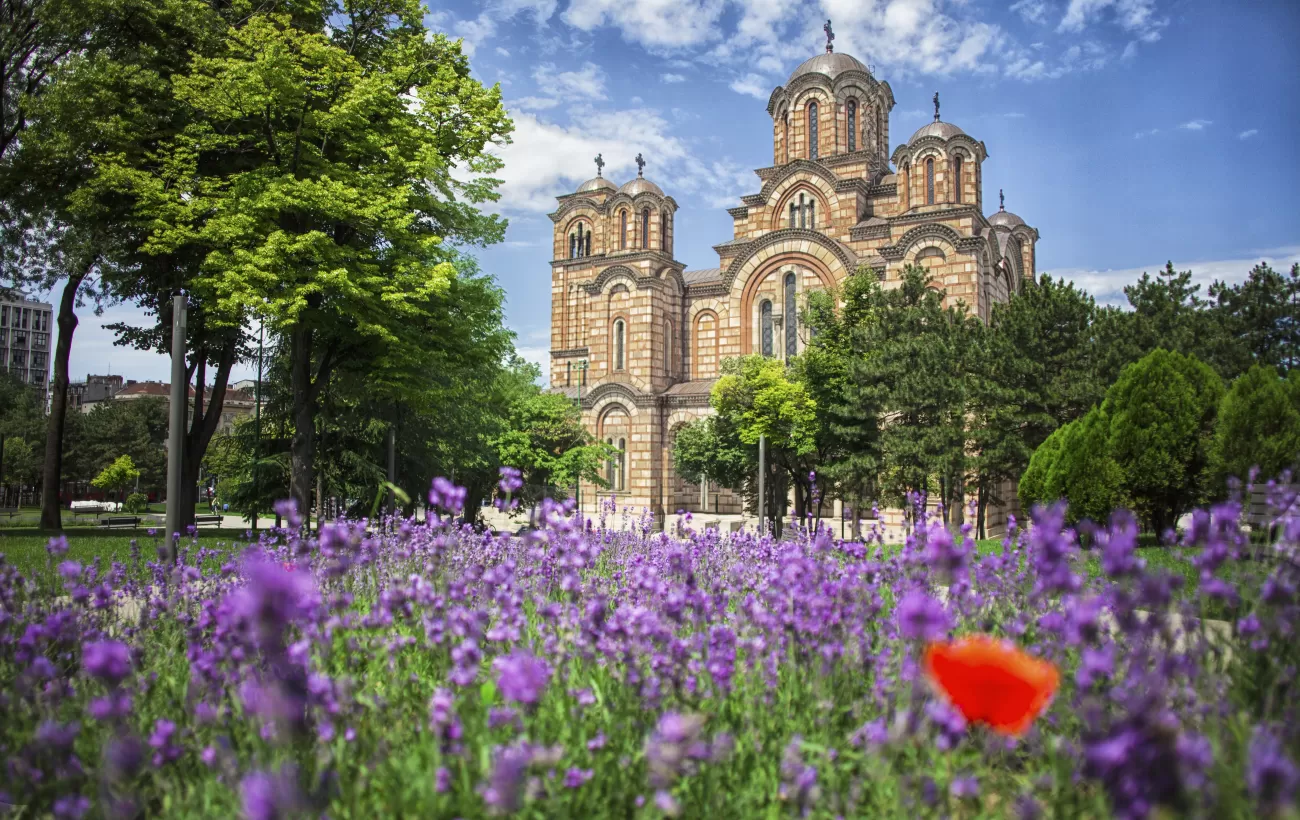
(1128, 132)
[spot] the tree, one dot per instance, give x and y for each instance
(1162, 413)
(1263, 313)
(1083, 472)
(332, 226)
(1169, 313)
(1258, 426)
(119, 475)
(136, 428)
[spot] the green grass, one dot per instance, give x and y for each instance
(26, 551)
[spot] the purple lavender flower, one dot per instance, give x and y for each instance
(676, 741)
(504, 791)
(575, 777)
(57, 546)
(964, 788)
(921, 617)
(798, 779)
(1271, 776)
(110, 661)
(522, 677)
(267, 796)
(71, 807)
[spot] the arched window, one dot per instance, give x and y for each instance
(620, 330)
(765, 313)
(929, 181)
(587, 250)
(610, 466)
(803, 212)
(573, 246)
(791, 318)
(956, 181)
(668, 348)
(812, 213)
(880, 132)
(907, 185)
(645, 229)
(622, 242)
(853, 125)
(622, 464)
(812, 130)
(663, 232)
(794, 219)
(785, 138)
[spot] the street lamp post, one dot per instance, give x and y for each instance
(257, 415)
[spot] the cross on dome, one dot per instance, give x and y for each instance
(936, 106)
(600, 164)
(830, 37)
(640, 165)
(1002, 200)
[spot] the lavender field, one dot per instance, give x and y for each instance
(598, 669)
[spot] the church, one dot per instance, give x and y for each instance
(637, 337)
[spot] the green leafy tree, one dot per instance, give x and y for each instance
(1033, 482)
(136, 428)
(1162, 413)
(1083, 472)
(118, 476)
(1258, 426)
(349, 123)
(1263, 313)
(1169, 313)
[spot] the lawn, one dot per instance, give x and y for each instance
(27, 550)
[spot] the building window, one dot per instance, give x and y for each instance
(622, 464)
(568, 375)
(610, 466)
(929, 181)
(765, 313)
(812, 213)
(663, 232)
(785, 139)
(668, 348)
(803, 213)
(794, 210)
(812, 130)
(791, 318)
(645, 229)
(956, 182)
(853, 125)
(619, 332)
(880, 133)
(622, 242)
(573, 246)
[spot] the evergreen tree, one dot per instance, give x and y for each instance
(1258, 427)
(1032, 489)
(1083, 472)
(1263, 314)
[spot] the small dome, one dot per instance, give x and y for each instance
(639, 186)
(831, 64)
(942, 130)
(596, 184)
(1005, 220)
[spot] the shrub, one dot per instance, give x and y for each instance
(136, 503)
(1162, 411)
(1033, 483)
(1083, 473)
(1258, 426)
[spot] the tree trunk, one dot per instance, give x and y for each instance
(302, 447)
(51, 517)
(203, 425)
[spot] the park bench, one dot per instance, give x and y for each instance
(10, 511)
(113, 521)
(200, 520)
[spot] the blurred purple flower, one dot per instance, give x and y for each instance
(1271, 776)
(267, 796)
(110, 661)
(921, 617)
(57, 546)
(575, 777)
(503, 792)
(964, 788)
(522, 677)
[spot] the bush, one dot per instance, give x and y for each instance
(136, 503)
(1258, 426)
(1083, 473)
(1033, 483)
(1162, 412)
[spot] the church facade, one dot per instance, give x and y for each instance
(637, 338)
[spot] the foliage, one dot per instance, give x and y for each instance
(1162, 411)
(137, 428)
(136, 503)
(1258, 427)
(1032, 489)
(119, 475)
(1263, 313)
(538, 677)
(1083, 472)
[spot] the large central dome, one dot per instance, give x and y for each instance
(831, 64)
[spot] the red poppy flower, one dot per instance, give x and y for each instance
(992, 682)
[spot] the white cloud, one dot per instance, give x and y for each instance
(503, 52)
(1247, 134)
(1108, 285)
(1136, 17)
(1014, 115)
(585, 84)
(534, 103)
(1150, 132)
(673, 78)
(1033, 11)
(1195, 125)
(670, 24)
(753, 85)
(1130, 50)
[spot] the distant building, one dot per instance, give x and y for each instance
(82, 396)
(25, 341)
(238, 403)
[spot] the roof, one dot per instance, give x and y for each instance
(571, 392)
(163, 390)
(694, 388)
(943, 130)
(640, 185)
(596, 184)
(702, 276)
(872, 222)
(1005, 220)
(831, 64)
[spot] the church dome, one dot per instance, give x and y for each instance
(639, 186)
(831, 64)
(942, 130)
(1005, 220)
(596, 184)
